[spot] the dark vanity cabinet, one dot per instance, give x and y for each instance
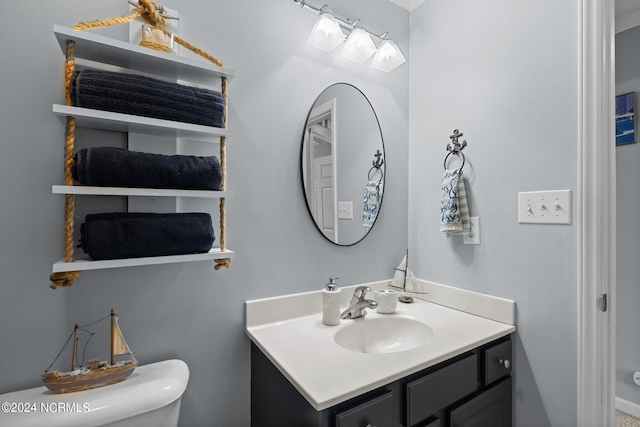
(470, 390)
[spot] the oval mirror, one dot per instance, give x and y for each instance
(342, 164)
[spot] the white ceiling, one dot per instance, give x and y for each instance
(627, 12)
(410, 4)
(622, 6)
(625, 6)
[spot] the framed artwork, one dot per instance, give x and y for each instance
(626, 118)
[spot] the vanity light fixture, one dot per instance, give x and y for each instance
(331, 30)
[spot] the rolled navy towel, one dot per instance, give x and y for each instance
(146, 96)
(132, 235)
(116, 167)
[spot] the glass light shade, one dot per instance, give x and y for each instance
(388, 58)
(326, 33)
(359, 46)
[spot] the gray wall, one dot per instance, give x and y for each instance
(189, 311)
(32, 315)
(628, 244)
(506, 74)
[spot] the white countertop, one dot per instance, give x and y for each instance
(289, 331)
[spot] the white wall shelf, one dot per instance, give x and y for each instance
(85, 264)
(107, 120)
(145, 192)
(95, 47)
(92, 47)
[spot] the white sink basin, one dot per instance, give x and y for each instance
(384, 335)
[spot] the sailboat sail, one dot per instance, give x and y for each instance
(120, 346)
(399, 275)
(411, 284)
(404, 279)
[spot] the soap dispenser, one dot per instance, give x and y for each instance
(331, 303)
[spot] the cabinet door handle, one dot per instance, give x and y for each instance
(505, 363)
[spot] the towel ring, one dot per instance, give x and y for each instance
(454, 152)
(378, 169)
(455, 147)
(377, 164)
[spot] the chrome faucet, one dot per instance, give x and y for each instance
(358, 304)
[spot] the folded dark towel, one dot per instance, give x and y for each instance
(116, 167)
(133, 235)
(145, 96)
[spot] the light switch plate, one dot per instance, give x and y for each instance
(544, 207)
(345, 210)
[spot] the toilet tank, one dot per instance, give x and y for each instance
(150, 388)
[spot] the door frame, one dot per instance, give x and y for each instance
(596, 215)
(324, 114)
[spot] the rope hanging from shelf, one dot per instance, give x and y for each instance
(148, 11)
(223, 262)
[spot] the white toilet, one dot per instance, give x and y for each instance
(150, 397)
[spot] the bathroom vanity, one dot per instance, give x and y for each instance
(427, 364)
(468, 390)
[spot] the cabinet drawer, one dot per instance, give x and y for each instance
(491, 408)
(497, 362)
(376, 412)
(435, 391)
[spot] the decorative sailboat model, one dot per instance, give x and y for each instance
(97, 373)
(404, 279)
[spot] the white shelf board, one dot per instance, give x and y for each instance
(87, 264)
(107, 120)
(98, 48)
(145, 192)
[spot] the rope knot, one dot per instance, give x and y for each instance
(222, 262)
(65, 278)
(153, 11)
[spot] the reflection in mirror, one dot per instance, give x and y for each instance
(342, 164)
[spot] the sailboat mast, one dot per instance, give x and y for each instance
(406, 268)
(113, 317)
(75, 342)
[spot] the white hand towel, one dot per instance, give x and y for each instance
(454, 210)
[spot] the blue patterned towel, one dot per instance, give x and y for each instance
(371, 206)
(454, 211)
